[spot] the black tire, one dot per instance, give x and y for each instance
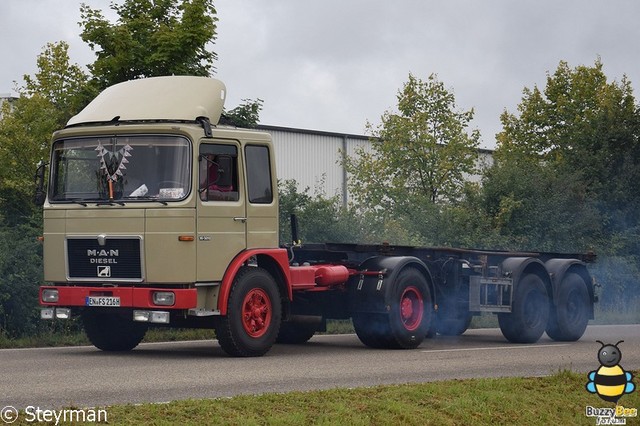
(529, 314)
(570, 314)
(453, 323)
(253, 316)
(295, 334)
(409, 319)
(112, 331)
(372, 329)
(432, 331)
(409, 329)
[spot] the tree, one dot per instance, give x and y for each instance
(420, 154)
(150, 38)
(244, 115)
(414, 178)
(585, 127)
(320, 218)
(156, 38)
(58, 81)
(46, 102)
(533, 207)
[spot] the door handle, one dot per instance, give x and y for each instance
(240, 219)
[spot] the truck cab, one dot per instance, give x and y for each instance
(149, 202)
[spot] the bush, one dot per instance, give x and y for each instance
(20, 278)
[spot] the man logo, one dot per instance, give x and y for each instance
(104, 271)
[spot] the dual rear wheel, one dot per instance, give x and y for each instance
(570, 314)
(533, 312)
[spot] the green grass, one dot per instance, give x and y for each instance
(558, 399)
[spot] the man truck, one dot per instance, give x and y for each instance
(157, 215)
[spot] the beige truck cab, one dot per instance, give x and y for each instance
(150, 201)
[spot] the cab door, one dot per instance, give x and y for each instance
(262, 204)
(221, 222)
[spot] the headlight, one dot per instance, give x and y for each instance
(50, 295)
(164, 298)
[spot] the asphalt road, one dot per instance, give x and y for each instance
(159, 372)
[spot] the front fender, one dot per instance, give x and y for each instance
(278, 258)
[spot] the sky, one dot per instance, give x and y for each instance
(335, 65)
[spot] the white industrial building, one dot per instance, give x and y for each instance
(6, 97)
(313, 158)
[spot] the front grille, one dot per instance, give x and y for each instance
(117, 259)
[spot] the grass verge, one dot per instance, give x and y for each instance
(558, 399)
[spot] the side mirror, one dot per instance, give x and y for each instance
(41, 193)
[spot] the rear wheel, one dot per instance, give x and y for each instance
(295, 333)
(409, 318)
(253, 317)
(453, 323)
(529, 313)
(112, 331)
(570, 314)
(372, 329)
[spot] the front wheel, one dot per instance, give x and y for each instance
(253, 317)
(112, 331)
(529, 312)
(570, 313)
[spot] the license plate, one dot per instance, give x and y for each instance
(102, 301)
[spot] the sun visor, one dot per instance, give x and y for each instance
(157, 98)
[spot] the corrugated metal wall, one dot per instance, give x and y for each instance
(312, 157)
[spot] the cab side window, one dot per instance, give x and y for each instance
(218, 172)
(258, 174)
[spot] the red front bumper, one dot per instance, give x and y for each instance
(130, 297)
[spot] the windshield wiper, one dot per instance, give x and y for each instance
(146, 197)
(109, 203)
(80, 201)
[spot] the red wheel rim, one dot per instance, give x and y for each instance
(256, 312)
(411, 308)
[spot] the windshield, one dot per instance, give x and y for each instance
(121, 168)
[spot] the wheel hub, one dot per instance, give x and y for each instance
(411, 308)
(256, 312)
